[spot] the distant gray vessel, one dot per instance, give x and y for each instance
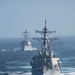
(26, 45)
(45, 63)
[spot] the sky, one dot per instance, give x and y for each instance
(16, 16)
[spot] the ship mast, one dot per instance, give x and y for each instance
(45, 39)
(26, 35)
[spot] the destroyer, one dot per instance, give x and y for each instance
(45, 63)
(26, 45)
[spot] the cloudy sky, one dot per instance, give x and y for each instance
(17, 16)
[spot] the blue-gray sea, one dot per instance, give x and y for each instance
(64, 48)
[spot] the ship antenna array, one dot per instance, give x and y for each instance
(45, 39)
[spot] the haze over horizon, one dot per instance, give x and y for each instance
(17, 16)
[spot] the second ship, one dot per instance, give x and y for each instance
(26, 45)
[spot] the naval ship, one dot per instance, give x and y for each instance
(45, 63)
(26, 45)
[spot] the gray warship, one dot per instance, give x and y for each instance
(45, 63)
(26, 45)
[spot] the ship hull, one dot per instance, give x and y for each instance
(46, 72)
(45, 66)
(51, 72)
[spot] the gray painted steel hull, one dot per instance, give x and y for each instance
(46, 72)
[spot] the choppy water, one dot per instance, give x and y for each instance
(22, 67)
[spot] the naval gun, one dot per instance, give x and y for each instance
(45, 63)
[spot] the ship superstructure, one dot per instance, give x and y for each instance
(26, 45)
(45, 63)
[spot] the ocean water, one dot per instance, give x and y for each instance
(64, 48)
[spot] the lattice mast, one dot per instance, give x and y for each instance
(26, 35)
